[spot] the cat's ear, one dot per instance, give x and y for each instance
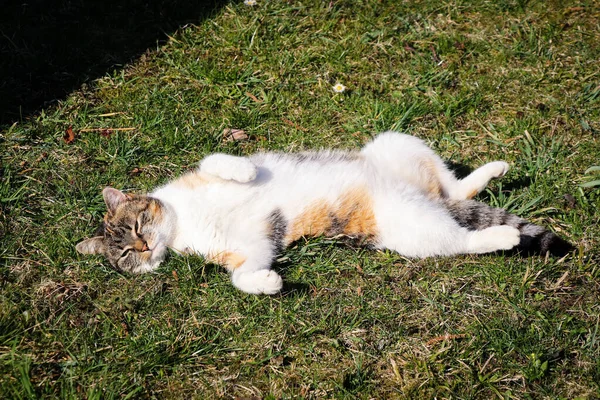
(93, 245)
(114, 197)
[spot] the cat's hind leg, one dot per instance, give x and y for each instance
(475, 182)
(415, 226)
(408, 158)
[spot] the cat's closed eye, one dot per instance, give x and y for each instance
(141, 220)
(125, 252)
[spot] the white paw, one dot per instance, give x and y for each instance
(498, 168)
(502, 237)
(263, 281)
(244, 171)
(507, 237)
(229, 167)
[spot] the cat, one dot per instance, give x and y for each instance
(240, 212)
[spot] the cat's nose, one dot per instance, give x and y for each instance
(141, 245)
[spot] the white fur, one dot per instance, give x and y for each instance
(228, 167)
(230, 214)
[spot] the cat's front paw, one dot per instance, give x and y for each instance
(244, 172)
(228, 167)
(263, 281)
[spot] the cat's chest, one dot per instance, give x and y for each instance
(209, 221)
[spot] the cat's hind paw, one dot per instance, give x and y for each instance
(499, 237)
(498, 168)
(263, 281)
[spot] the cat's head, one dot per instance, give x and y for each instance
(135, 234)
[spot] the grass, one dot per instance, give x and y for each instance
(479, 81)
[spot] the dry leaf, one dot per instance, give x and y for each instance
(570, 200)
(295, 125)
(106, 132)
(135, 171)
(69, 135)
(232, 134)
(447, 336)
(253, 97)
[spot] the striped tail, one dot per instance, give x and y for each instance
(535, 239)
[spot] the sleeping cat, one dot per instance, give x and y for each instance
(395, 193)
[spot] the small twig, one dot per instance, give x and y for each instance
(106, 129)
(447, 336)
(253, 97)
(560, 280)
(110, 114)
(295, 125)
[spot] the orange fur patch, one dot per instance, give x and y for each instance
(356, 211)
(472, 194)
(228, 259)
(192, 180)
(431, 181)
(315, 220)
(138, 245)
(155, 209)
(352, 214)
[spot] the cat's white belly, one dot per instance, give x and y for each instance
(219, 215)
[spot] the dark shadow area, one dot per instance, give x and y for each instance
(508, 185)
(48, 48)
(460, 170)
(294, 288)
(531, 246)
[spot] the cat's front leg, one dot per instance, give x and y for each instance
(251, 273)
(228, 167)
(263, 281)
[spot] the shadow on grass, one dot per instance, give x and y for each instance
(48, 48)
(461, 171)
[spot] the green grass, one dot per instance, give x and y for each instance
(478, 80)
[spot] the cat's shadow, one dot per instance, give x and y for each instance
(294, 288)
(203, 274)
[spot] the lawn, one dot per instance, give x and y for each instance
(478, 80)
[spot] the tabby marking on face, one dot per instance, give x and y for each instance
(129, 232)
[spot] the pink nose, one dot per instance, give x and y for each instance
(145, 247)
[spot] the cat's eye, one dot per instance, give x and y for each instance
(125, 252)
(138, 229)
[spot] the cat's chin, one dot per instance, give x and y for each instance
(157, 255)
(159, 252)
(145, 267)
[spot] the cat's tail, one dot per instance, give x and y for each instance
(474, 215)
